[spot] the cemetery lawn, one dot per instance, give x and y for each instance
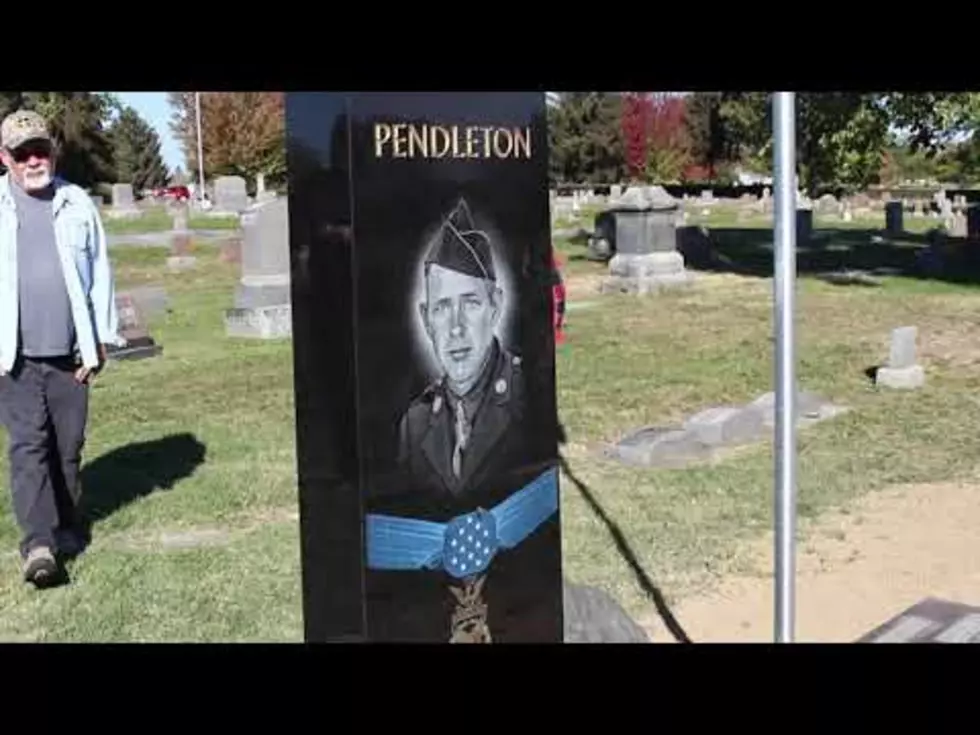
(190, 466)
(156, 219)
(631, 363)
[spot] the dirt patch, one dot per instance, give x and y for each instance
(856, 569)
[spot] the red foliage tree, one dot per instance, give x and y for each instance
(669, 143)
(636, 131)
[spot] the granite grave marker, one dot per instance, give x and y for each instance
(424, 367)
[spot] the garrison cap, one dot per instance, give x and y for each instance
(459, 246)
(21, 126)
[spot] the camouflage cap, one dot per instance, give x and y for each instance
(21, 126)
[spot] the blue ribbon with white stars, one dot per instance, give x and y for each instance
(466, 544)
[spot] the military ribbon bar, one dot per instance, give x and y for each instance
(466, 544)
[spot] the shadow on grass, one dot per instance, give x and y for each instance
(133, 471)
(749, 252)
(626, 551)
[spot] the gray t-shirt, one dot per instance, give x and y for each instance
(46, 325)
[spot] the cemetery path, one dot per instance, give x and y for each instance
(162, 239)
(857, 567)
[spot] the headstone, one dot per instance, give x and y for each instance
(180, 242)
(615, 192)
(123, 203)
(931, 620)
(262, 300)
(230, 194)
(421, 258)
(132, 328)
(973, 222)
(958, 224)
(259, 184)
(151, 301)
(592, 616)
(646, 257)
(893, 218)
(804, 225)
(902, 371)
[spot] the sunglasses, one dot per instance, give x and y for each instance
(27, 151)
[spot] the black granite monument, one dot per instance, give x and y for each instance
(424, 367)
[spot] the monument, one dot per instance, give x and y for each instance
(427, 433)
(931, 620)
(262, 305)
(132, 328)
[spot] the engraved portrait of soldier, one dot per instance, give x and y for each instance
(460, 427)
(468, 550)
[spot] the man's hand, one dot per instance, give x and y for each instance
(85, 374)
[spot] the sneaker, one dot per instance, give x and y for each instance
(40, 566)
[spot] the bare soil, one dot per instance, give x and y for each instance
(856, 568)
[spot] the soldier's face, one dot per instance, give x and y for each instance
(460, 314)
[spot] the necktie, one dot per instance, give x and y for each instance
(462, 438)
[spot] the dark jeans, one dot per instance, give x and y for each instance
(45, 411)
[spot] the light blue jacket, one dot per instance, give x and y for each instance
(85, 261)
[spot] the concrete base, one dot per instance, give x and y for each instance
(263, 322)
(646, 273)
(901, 378)
(138, 349)
(249, 296)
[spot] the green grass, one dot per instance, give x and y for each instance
(198, 445)
(157, 219)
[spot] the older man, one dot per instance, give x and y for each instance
(57, 313)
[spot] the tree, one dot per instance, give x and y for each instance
(840, 136)
(668, 153)
(637, 112)
(243, 133)
(710, 139)
(585, 138)
(136, 152)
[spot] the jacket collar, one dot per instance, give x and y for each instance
(63, 193)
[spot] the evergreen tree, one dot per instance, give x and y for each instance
(136, 152)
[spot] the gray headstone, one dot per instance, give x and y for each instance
(592, 616)
(902, 372)
(646, 258)
(725, 425)
(230, 194)
(122, 196)
(150, 300)
(930, 621)
(262, 300)
(902, 351)
(123, 204)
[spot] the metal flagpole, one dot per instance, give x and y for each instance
(200, 145)
(784, 136)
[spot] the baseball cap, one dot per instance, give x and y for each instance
(21, 126)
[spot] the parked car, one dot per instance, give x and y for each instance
(177, 193)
